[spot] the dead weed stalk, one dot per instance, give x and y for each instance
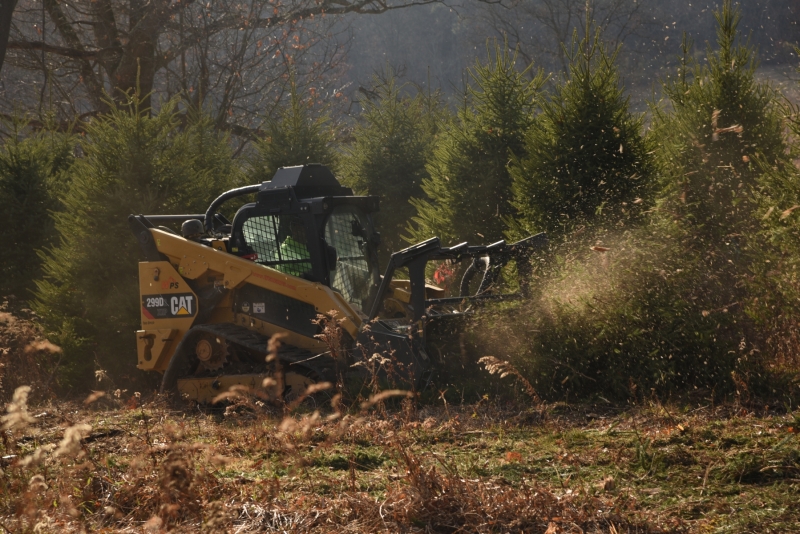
(503, 368)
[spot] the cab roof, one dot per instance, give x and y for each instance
(308, 181)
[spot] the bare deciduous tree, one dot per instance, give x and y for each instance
(225, 55)
(539, 28)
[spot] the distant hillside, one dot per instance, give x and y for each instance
(436, 43)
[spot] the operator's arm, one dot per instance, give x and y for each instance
(294, 250)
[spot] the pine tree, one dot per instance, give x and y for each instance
(724, 128)
(468, 194)
(586, 161)
(774, 278)
(294, 136)
(724, 132)
(670, 307)
(34, 169)
(133, 163)
(393, 140)
(712, 150)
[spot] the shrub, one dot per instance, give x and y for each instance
(133, 163)
(34, 167)
(468, 194)
(25, 358)
(393, 139)
(620, 323)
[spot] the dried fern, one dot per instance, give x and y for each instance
(503, 368)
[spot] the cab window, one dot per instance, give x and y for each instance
(348, 230)
(278, 241)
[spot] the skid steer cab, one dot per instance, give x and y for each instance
(214, 291)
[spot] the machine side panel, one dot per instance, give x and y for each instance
(195, 257)
(152, 344)
(280, 310)
(168, 308)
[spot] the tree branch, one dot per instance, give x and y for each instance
(64, 51)
(242, 131)
(75, 125)
(69, 35)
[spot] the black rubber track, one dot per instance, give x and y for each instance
(320, 367)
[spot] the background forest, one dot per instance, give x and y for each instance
(668, 193)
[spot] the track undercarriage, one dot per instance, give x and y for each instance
(212, 358)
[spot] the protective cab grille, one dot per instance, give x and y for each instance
(278, 241)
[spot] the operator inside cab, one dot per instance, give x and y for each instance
(293, 249)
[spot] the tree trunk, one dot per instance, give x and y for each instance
(6, 10)
(137, 67)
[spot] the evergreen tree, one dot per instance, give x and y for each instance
(724, 132)
(670, 307)
(468, 194)
(775, 272)
(294, 136)
(33, 172)
(133, 163)
(712, 148)
(393, 140)
(586, 159)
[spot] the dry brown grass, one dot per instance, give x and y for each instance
(23, 356)
(394, 468)
(77, 467)
(383, 463)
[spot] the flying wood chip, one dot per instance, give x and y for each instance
(789, 211)
(95, 395)
(37, 346)
(600, 249)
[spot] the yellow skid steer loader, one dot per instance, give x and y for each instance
(214, 294)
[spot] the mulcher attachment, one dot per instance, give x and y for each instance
(488, 261)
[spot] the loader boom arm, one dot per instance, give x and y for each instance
(416, 258)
